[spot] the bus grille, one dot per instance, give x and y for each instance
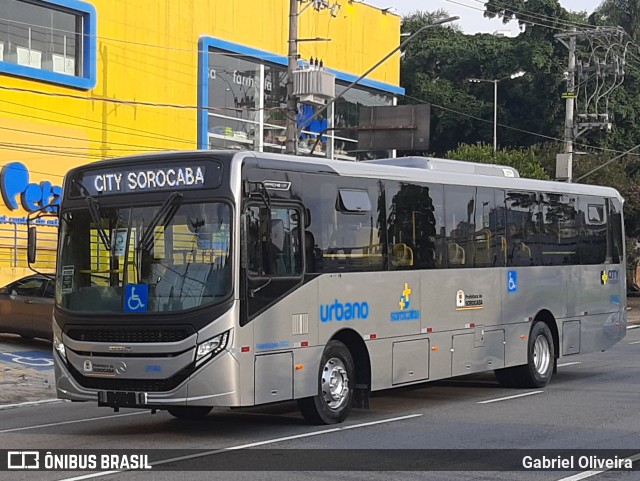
(130, 335)
(139, 385)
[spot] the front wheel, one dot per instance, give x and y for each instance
(335, 384)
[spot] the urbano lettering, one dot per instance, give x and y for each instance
(344, 312)
(18, 191)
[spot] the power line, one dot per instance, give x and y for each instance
(509, 127)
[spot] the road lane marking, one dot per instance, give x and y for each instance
(75, 421)
(589, 474)
(250, 445)
(635, 342)
(569, 364)
(635, 326)
(510, 397)
(30, 403)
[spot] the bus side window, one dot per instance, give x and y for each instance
(273, 242)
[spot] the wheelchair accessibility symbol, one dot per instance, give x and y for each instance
(40, 361)
(512, 281)
(136, 298)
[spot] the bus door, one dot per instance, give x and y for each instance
(272, 253)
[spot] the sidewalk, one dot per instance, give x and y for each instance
(633, 312)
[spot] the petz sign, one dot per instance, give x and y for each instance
(18, 192)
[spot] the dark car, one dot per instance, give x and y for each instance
(26, 307)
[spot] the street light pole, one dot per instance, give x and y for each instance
(495, 117)
(495, 102)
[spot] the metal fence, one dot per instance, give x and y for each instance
(13, 246)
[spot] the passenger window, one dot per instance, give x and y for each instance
(593, 230)
(413, 224)
(347, 225)
(615, 235)
(459, 223)
(559, 231)
(522, 247)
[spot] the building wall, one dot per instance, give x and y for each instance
(146, 85)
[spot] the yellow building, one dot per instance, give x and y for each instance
(84, 81)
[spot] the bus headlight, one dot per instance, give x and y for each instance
(212, 347)
(59, 346)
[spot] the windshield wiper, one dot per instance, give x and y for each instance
(164, 214)
(94, 210)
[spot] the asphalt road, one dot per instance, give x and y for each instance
(592, 403)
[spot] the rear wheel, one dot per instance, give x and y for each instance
(335, 384)
(189, 412)
(540, 360)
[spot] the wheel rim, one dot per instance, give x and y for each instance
(541, 354)
(335, 383)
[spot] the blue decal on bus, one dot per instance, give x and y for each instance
(273, 345)
(136, 298)
(344, 312)
(512, 281)
(404, 314)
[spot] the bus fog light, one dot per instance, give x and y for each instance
(59, 346)
(213, 346)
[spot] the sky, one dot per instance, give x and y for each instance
(471, 19)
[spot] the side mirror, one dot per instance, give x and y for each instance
(32, 245)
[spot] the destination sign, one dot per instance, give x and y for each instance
(141, 179)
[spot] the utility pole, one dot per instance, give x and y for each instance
(564, 163)
(291, 114)
(591, 118)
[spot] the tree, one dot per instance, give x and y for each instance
(625, 13)
(523, 160)
(437, 66)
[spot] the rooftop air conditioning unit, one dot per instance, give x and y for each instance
(314, 86)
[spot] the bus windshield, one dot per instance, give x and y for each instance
(161, 258)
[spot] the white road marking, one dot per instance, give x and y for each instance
(30, 403)
(510, 397)
(25, 428)
(569, 364)
(589, 474)
(635, 342)
(635, 326)
(250, 445)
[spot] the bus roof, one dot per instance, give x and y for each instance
(407, 169)
(388, 169)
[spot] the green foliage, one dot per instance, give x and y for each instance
(437, 66)
(524, 161)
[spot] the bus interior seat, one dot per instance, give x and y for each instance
(482, 253)
(456, 254)
(402, 255)
(521, 254)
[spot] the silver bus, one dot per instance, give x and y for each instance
(192, 280)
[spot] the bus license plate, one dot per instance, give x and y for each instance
(119, 398)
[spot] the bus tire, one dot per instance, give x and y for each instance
(540, 358)
(189, 412)
(336, 381)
